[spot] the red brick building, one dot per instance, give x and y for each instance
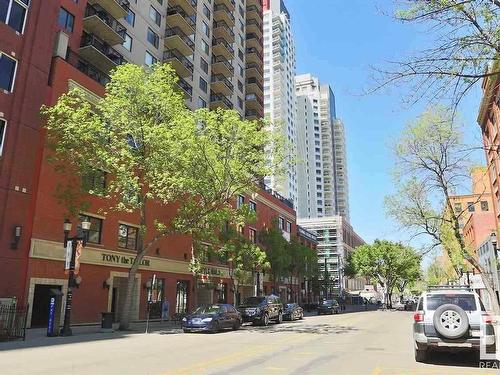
(38, 63)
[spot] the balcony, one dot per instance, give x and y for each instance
(252, 114)
(186, 88)
(221, 85)
(254, 13)
(230, 4)
(222, 13)
(220, 101)
(222, 30)
(253, 26)
(253, 56)
(220, 65)
(176, 39)
(257, 3)
(254, 86)
(180, 63)
(87, 68)
(177, 17)
(254, 70)
(99, 53)
(102, 24)
(222, 48)
(253, 101)
(253, 41)
(117, 8)
(189, 6)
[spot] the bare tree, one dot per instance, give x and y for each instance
(465, 47)
(431, 165)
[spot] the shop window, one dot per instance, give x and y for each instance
(181, 301)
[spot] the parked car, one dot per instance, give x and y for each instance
(410, 305)
(450, 318)
(261, 310)
(212, 318)
(293, 311)
(329, 306)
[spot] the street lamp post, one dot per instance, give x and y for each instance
(66, 329)
(325, 279)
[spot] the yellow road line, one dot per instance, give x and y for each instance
(377, 370)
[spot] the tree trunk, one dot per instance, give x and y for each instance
(127, 305)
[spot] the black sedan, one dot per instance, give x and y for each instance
(212, 318)
(292, 311)
(329, 306)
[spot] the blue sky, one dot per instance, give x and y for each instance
(338, 40)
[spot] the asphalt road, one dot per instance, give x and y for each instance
(373, 343)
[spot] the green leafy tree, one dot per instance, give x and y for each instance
(431, 166)
(390, 264)
(303, 261)
(440, 272)
(276, 248)
(156, 151)
(465, 41)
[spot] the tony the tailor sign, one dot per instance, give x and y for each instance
(122, 259)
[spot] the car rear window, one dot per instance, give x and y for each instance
(465, 301)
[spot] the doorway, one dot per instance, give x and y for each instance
(41, 299)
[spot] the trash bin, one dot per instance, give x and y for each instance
(107, 322)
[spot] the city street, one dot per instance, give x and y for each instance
(376, 343)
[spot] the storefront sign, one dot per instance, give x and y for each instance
(121, 259)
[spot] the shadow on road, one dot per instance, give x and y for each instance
(460, 359)
(301, 327)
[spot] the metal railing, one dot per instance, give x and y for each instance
(191, 20)
(254, 50)
(104, 48)
(253, 81)
(87, 68)
(108, 19)
(277, 195)
(173, 31)
(224, 43)
(13, 322)
(186, 87)
(255, 66)
(125, 4)
(224, 8)
(226, 62)
(223, 25)
(255, 97)
(220, 78)
(253, 8)
(220, 98)
(175, 54)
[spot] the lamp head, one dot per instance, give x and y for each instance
(67, 226)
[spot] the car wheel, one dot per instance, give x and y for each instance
(215, 327)
(451, 321)
(301, 316)
(420, 355)
(265, 319)
(280, 318)
(236, 325)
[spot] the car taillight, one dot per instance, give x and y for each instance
(418, 317)
(487, 318)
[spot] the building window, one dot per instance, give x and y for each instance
(181, 297)
(130, 18)
(458, 207)
(470, 206)
(253, 206)
(206, 11)
(127, 237)
(281, 223)
(150, 59)
(153, 38)
(201, 102)
(288, 227)
(94, 181)
(203, 85)
(240, 86)
(203, 65)
(95, 231)
(155, 15)
(127, 44)
(3, 130)
(206, 29)
(13, 13)
(252, 235)
(206, 47)
(240, 201)
(8, 67)
(66, 20)
(484, 204)
(240, 103)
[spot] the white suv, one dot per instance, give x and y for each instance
(450, 318)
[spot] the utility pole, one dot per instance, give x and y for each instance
(325, 279)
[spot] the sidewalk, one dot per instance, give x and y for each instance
(36, 337)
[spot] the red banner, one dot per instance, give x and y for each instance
(266, 4)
